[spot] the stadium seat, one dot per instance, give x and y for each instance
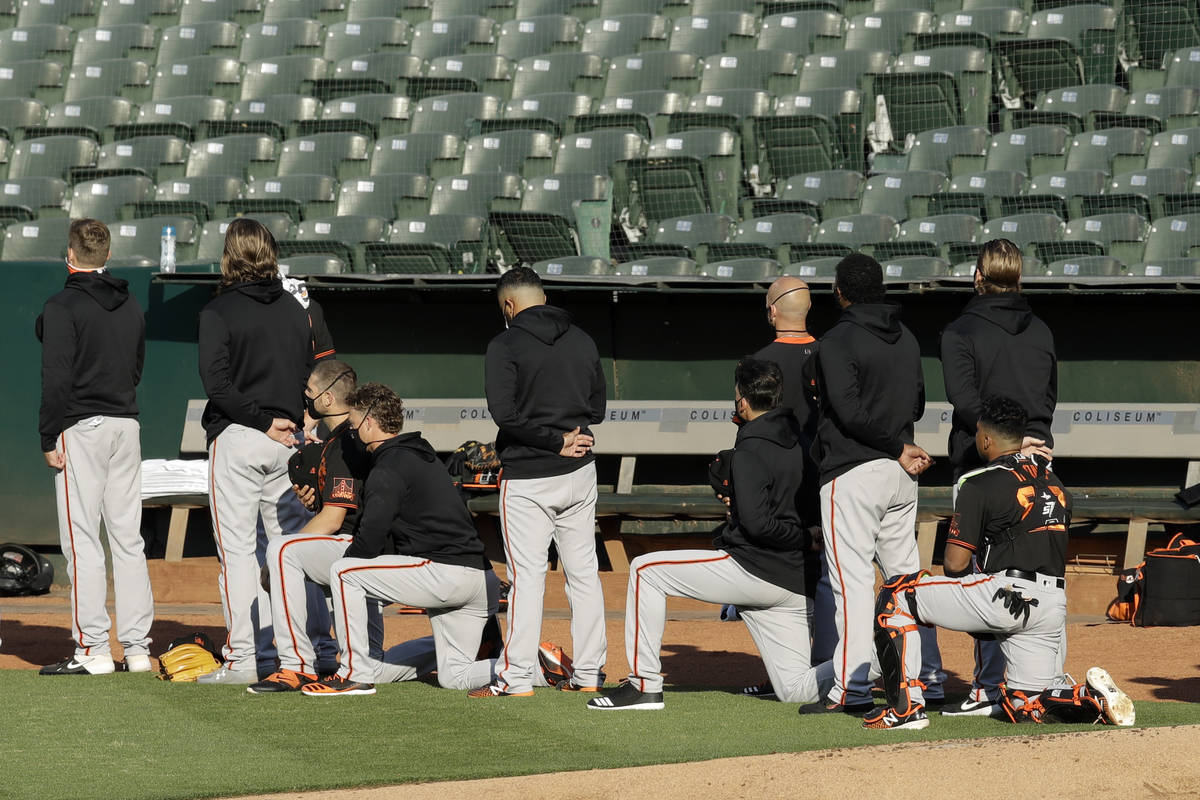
(277, 10)
(725, 108)
(39, 240)
(1175, 236)
(212, 234)
(313, 265)
(273, 114)
(908, 268)
(791, 144)
(742, 269)
(197, 39)
(1032, 150)
(583, 9)
(476, 194)
(1167, 267)
(433, 154)
(117, 41)
(345, 39)
(816, 267)
(1060, 193)
(978, 193)
(98, 114)
(1119, 235)
(901, 195)
(856, 230)
(447, 37)
(627, 33)
(595, 152)
(1159, 27)
(648, 112)
(936, 149)
(51, 156)
(1178, 148)
(842, 69)
(104, 198)
(993, 22)
(240, 155)
(835, 192)
(1064, 47)
(1111, 150)
(485, 72)
(892, 31)
(1024, 230)
(336, 154)
(39, 79)
(240, 11)
(690, 172)
(121, 76)
(926, 93)
(524, 38)
(658, 267)
(723, 31)
(769, 236)
(445, 243)
(386, 114)
(213, 192)
(137, 12)
(1072, 107)
(1168, 104)
(1144, 190)
(343, 237)
(653, 70)
(56, 12)
(20, 112)
(145, 154)
(377, 72)
(803, 31)
(775, 71)
(559, 72)
(690, 232)
(526, 153)
(281, 38)
(283, 75)
(43, 197)
(551, 111)
(393, 195)
(1085, 267)
(142, 238)
(934, 235)
(302, 195)
(453, 113)
(37, 42)
(1183, 67)
(573, 266)
(197, 75)
(183, 114)
(496, 9)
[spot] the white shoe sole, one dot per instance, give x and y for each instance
(638, 707)
(990, 710)
(338, 694)
(1118, 708)
(229, 677)
(915, 725)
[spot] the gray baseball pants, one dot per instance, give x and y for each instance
(102, 480)
(777, 619)
(869, 515)
(419, 656)
(533, 513)
(247, 477)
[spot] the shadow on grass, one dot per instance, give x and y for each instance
(1187, 689)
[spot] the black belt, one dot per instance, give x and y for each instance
(1033, 576)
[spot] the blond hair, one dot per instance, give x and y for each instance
(90, 240)
(250, 252)
(999, 263)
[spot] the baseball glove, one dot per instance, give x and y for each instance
(187, 658)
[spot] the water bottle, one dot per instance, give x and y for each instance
(166, 261)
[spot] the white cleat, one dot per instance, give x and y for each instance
(1118, 708)
(137, 663)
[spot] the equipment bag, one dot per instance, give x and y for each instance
(1164, 590)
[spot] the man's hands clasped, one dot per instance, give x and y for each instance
(576, 444)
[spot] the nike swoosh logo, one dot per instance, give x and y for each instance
(73, 665)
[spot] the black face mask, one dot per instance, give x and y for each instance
(310, 403)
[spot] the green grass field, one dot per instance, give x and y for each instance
(132, 736)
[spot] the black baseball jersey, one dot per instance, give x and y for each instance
(341, 474)
(792, 354)
(1013, 514)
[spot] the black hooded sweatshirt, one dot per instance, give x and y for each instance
(997, 347)
(256, 351)
(410, 507)
(93, 336)
(764, 532)
(543, 378)
(871, 388)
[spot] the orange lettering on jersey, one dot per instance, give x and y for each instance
(1025, 498)
(343, 489)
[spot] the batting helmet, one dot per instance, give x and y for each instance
(22, 571)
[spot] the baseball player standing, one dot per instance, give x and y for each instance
(93, 337)
(545, 387)
(1011, 520)
(255, 356)
(758, 564)
(996, 345)
(871, 392)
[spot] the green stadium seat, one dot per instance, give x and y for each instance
(935, 234)
(648, 112)
(856, 230)
(1183, 67)
(1177, 148)
(495, 9)
(43, 197)
(361, 73)
(1166, 104)
(366, 9)
(1167, 267)
(20, 112)
(1091, 28)
(213, 192)
(687, 173)
(1122, 236)
(337, 153)
(722, 108)
(98, 114)
(909, 268)
(977, 26)
(51, 156)
(313, 265)
(1032, 150)
(582, 9)
(146, 154)
(345, 39)
(767, 70)
(842, 69)
(138, 12)
(39, 240)
(447, 37)
(241, 155)
(549, 220)
(813, 267)
(476, 194)
(394, 195)
(197, 75)
(1176, 236)
(1072, 107)
(658, 267)
(386, 114)
(802, 32)
(628, 33)
(118, 76)
(343, 237)
(56, 12)
(278, 10)
(1111, 150)
(653, 70)
(178, 115)
(595, 152)
(302, 195)
(433, 154)
(1160, 27)
(274, 114)
(768, 236)
(1024, 230)
(1145, 190)
(524, 38)
(892, 31)
(142, 238)
(901, 195)
(453, 113)
(39, 79)
(212, 234)
(978, 193)
(118, 41)
(577, 266)
(526, 153)
(742, 269)
(1060, 192)
(36, 42)
(487, 71)
(198, 39)
(793, 144)
(1086, 267)
(558, 194)
(691, 231)
(240, 11)
(719, 32)
(937, 149)
(913, 102)
(549, 111)
(559, 72)
(835, 192)
(445, 243)
(282, 75)
(281, 38)
(971, 71)
(104, 198)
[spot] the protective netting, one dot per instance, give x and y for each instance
(587, 137)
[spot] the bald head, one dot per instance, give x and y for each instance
(788, 302)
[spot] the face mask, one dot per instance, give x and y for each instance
(736, 419)
(310, 403)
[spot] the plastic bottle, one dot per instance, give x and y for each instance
(166, 262)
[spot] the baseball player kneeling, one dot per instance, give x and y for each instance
(1012, 515)
(758, 564)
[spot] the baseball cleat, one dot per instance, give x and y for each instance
(81, 665)
(627, 698)
(334, 686)
(825, 707)
(556, 665)
(1118, 708)
(572, 686)
(137, 663)
(230, 676)
(887, 719)
(492, 690)
(974, 708)
(285, 680)
(763, 691)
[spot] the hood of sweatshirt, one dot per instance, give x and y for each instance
(413, 442)
(777, 426)
(265, 291)
(106, 290)
(545, 323)
(1008, 311)
(881, 320)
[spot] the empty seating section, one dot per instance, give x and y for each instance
(701, 139)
